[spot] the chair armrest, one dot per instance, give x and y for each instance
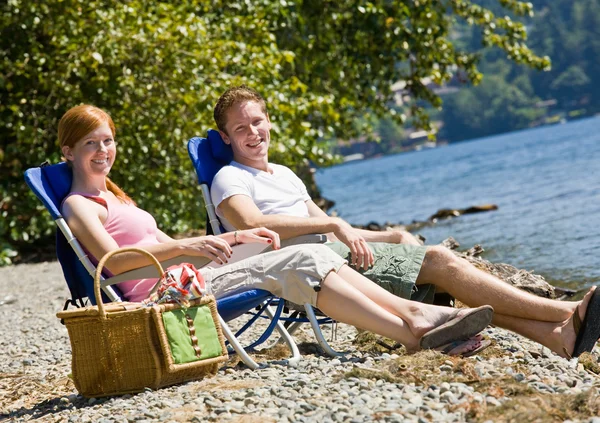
(151, 272)
(240, 252)
(305, 239)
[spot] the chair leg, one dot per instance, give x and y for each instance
(291, 329)
(285, 335)
(312, 318)
(248, 361)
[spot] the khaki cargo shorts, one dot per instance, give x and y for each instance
(294, 273)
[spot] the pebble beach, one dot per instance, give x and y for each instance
(513, 380)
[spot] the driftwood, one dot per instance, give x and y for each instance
(441, 214)
(448, 213)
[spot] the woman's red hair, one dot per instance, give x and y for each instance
(80, 121)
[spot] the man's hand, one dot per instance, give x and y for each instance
(361, 254)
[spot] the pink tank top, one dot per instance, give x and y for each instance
(129, 226)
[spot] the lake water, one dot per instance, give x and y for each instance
(545, 182)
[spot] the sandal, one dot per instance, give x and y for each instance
(588, 329)
(467, 348)
(458, 328)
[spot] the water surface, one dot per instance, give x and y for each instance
(544, 180)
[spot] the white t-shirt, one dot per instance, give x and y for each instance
(279, 192)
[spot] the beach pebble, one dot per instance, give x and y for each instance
(37, 356)
(519, 377)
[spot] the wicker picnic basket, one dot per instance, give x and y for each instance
(124, 347)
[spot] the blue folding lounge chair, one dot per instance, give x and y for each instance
(51, 183)
(209, 155)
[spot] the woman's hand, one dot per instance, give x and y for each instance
(213, 247)
(263, 235)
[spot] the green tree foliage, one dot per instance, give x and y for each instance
(570, 84)
(158, 68)
(490, 108)
(390, 135)
(567, 31)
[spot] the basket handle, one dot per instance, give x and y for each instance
(101, 266)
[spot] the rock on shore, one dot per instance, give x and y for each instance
(514, 380)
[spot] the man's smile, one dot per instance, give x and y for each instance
(256, 144)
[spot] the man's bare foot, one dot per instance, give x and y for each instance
(565, 333)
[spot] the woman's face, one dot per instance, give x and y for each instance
(95, 153)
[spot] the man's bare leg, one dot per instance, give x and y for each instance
(475, 287)
(554, 335)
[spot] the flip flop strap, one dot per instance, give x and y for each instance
(466, 348)
(577, 323)
(445, 349)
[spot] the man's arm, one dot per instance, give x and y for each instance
(395, 236)
(242, 213)
(392, 237)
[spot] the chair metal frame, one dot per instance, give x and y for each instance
(46, 181)
(210, 154)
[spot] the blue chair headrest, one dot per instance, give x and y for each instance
(209, 155)
(221, 151)
(51, 184)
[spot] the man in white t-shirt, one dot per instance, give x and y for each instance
(252, 192)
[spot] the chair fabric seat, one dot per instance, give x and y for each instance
(235, 305)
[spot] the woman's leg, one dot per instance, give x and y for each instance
(294, 272)
(342, 301)
(420, 317)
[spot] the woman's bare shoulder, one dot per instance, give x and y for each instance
(76, 204)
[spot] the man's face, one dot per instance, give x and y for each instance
(248, 133)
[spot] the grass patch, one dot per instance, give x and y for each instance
(524, 403)
(368, 342)
(278, 352)
(214, 384)
(25, 390)
(422, 367)
(589, 363)
(538, 407)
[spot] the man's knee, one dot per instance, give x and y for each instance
(441, 259)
